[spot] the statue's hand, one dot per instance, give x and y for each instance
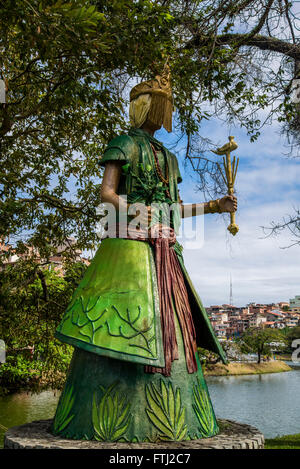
(228, 203)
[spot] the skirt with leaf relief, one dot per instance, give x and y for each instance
(114, 324)
(112, 400)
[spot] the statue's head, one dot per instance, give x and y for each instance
(151, 103)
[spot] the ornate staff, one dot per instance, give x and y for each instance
(229, 175)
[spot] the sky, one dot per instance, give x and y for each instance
(263, 270)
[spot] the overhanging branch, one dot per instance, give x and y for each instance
(236, 40)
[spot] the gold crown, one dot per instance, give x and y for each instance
(160, 86)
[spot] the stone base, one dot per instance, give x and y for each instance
(36, 435)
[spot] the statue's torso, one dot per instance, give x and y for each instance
(115, 310)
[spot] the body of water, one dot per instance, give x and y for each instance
(20, 408)
(270, 402)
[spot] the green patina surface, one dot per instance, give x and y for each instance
(118, 401)
(114, 311)
(115, 315)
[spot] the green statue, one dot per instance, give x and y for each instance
(135, 320)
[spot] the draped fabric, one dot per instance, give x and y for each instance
(139, 109)
(173, 296)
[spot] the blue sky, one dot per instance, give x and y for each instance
(267, 186)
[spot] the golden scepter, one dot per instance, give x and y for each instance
(229, 175)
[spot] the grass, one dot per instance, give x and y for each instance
(235, 369)
(283, 442)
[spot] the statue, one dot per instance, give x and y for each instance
(135, 320)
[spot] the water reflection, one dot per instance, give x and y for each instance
(24, 407)
(270, 402)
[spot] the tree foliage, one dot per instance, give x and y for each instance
(292, 334)
(32, 301)
(259, 340)
(67, 64)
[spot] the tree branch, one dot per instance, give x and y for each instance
(54, 202)
(238, 40)
(6, 122)
(261, 22)
(42, 278)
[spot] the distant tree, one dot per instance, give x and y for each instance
(207, 357)
(292, 334)
(257, 340)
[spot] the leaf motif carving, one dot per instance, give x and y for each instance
(165, 411)
(204, 411)
(111, 417)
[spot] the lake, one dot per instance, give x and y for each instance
(270, 402)
(22, 408)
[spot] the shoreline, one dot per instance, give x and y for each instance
(238, 369)
(283, 442)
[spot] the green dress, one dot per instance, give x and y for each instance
(114, 323)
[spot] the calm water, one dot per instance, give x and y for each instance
(270, 402)
(21, 408)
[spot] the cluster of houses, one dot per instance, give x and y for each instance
(229, 321)
(8, 255)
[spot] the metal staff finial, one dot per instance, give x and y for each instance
(229, 175)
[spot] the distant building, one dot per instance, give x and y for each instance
(295, 304)
(283, 304)
(292, 322)
(230, 321)
(257, 308)
(55, 262)
(257, 320)
(275, 315)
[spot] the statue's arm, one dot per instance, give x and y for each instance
(110, 183)
(226, 204)
(109, 188)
